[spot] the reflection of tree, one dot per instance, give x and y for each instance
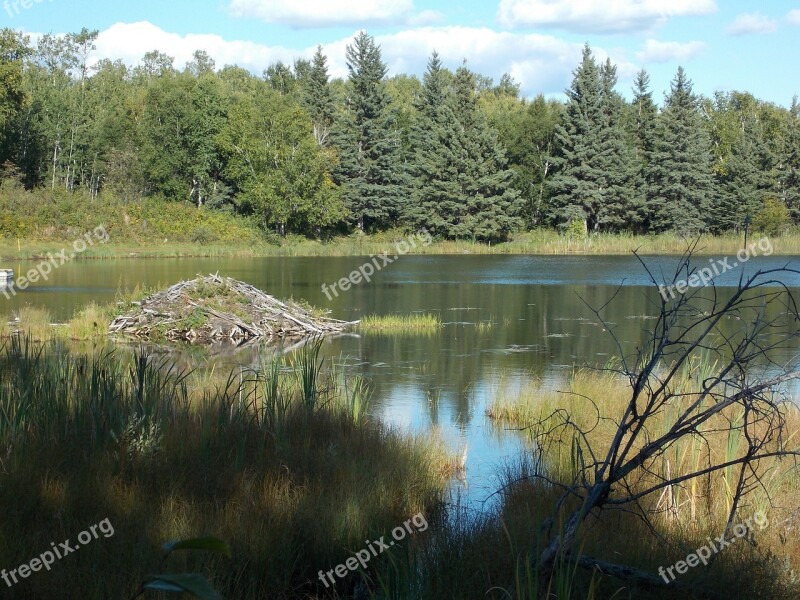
(455, 361)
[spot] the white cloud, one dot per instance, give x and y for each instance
(598, 16)
(541, 63)
(324, 13)
(793, 17)
(752, 23)
(129, 42)
(658, 52)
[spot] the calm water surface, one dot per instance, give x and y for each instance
(541, 326)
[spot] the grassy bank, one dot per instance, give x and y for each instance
(33, 224)
(283, 465)
(540, 242)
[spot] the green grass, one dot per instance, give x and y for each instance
(539, 242)
(413, 324)
(33, 224)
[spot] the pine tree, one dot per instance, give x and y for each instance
(492, 202)
(463, 186)
(318, 97)
(643, 114)
(681, 186)
(789, 180)
(619, 209)
(371, 170)
(435, 190)
(746, 180)
(592, 183)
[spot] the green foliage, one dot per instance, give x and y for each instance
(463, 188)
(304, 155)
(59, 215)
(789, 178)
(193, 584)
(594, 168)
(281, 172)
(370, 169)
(681, 190)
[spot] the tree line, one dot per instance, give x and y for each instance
(455, 152)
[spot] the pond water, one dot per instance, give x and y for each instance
(538, 306)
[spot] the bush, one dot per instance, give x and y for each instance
(773, 219)
(202, 235)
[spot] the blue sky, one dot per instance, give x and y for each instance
(723, 44)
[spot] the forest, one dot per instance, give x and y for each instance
(467, 158)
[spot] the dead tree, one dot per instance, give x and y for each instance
(748, 379)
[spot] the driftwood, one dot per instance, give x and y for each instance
(213, 308)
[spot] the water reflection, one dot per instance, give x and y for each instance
(505, 317)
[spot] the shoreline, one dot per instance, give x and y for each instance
(541, 243)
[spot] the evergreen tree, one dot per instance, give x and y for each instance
(371, 169)
(681, 186)
(492, 202)
(746, 180)
(436, 193)
(789, 180)
(318, 97)
(643, 114)
(464, 188)
(592, 183)
(620, 208)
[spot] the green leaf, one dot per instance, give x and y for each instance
(191, 583)
(207, 544)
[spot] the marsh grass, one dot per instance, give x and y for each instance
(89, 323)
(293, 485)
(685, 515)
(413, 324)
(35, 323)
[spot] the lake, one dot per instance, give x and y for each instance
(534, 311)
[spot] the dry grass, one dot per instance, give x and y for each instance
(292, 483)
(35, 323)
(686, 515)
(540, 241)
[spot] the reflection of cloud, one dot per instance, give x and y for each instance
(656, 52)
(793, 17)
(598, 16)
(540, 63)
(752, 23)
(324, 13)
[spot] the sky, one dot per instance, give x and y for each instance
(723, 45)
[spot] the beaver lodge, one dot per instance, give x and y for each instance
(216, 309)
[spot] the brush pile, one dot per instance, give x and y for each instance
(212, 309)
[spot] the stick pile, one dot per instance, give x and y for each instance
(213, 308)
